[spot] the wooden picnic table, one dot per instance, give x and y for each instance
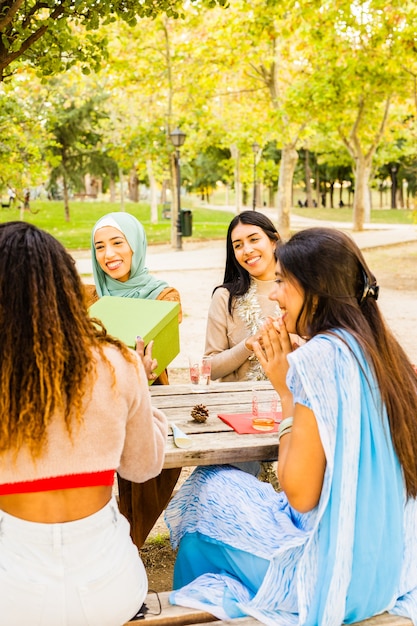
(213, 441)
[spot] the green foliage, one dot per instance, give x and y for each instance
(209, 167)
(268, 168)
(302, 73)
(75, 147)
(20, 143)
(55, 36)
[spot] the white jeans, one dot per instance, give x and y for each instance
(81, 573)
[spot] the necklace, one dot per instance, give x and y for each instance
(250, 311)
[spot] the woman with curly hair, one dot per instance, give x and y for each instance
(75, 407)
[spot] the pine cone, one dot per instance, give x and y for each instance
(199, 413)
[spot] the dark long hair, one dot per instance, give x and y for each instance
(340, 292)
(236, 279)
(46, 337)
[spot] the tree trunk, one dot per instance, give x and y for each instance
(400, 196)
(307, 170)
(271, 196)
(288, 162)
(341, 203)
(133, 186)
(92, 185)
(381, 196)
(122, 190)
(87, 184)
(361, 199)
(317, 187)
(405, 196)
(153, 190)
(66, 198)
(394, 186)
(244, 195)
(362, 196)
(238, 185)
(112, 188)
(174, 205)
(166, 195)
(332, 194)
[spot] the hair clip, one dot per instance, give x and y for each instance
(369, 290)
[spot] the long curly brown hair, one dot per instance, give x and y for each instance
(47, 338)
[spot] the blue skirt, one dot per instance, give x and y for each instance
(227, 526)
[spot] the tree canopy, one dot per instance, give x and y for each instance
(333, 83)
(52, 36)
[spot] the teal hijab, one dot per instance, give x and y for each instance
(140, 283)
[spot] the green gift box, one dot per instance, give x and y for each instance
(126, 318)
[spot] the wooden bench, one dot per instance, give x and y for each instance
(181, 616)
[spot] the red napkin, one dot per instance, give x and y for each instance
(242, 423)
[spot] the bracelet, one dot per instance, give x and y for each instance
(285, 427)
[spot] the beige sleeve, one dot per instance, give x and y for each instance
(146, 434)
(226, 358)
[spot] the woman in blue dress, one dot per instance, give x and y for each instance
(338, 544)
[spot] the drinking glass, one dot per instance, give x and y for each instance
(264, 408)
(200, 372)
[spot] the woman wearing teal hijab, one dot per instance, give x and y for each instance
(118, 251)
(139, 284)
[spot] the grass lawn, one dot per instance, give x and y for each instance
(207, 223)
(378, 216)
(75, 234)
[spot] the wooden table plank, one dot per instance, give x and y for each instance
(212, 441)
(227, 447)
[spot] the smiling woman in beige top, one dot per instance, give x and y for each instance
(241, 305)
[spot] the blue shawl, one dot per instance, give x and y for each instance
(355, 554)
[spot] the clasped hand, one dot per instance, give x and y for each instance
(272, 350)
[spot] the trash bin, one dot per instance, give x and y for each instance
(186, 218)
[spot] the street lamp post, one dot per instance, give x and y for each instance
(255, 149)
(177, 138)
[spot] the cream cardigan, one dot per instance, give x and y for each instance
(120, 431)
